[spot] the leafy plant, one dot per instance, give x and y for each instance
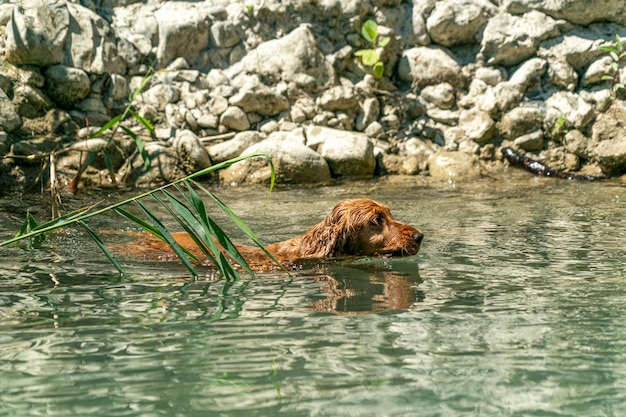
(181, 200)
(113, 125)
(371, 56)
(617, 53)
(559, 129)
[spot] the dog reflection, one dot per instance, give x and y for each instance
(356, 290)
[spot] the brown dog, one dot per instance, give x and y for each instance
(355, 227)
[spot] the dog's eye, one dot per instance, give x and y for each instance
(376, 221)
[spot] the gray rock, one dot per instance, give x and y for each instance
(225, 34)
(571, 108)
(453, 166)
(235, 118)
(454, 22)
(191, 154)
(349, 154)
(292, 58)
(611, 156)
(509, 39)
(234, 147)
(36, 34)
(424, 66)
(338, 98)
(440, 95)
(369, 112)
(477, 125)
(520, 121)
(294, 162)
(67, 85)
(183, 31)
(9, 119)
(581, 12)
(530, 141)
(260, 99)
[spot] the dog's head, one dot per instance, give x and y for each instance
(362, 227)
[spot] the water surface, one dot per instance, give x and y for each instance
(514, 307)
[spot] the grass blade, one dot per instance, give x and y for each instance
(102, 247)
(169, 239)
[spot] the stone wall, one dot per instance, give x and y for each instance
(461, 79)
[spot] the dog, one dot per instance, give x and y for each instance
(354, 227)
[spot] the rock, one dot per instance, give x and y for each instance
(164, 163)
(260, 99)
(453, 166)
(440, 95)
(611, 156)
(528, 75)
(235, 118)
(530, 141)
(596, 70)
(160, 95)
(424, 66)
(369, 112)
(191, 154)
(9, 119)
(233, 148)
(610, 125)
(477, 125)
(225, 34)
(509, 39)
(581, 12)
(520, 121)
(569, 107)
(299, 61)
(36, 34)
(294, 162)
(338, 98)
(576, 143)
(67, 85)
(454, 22)
(183, 32)
(348, 154)
(90, 44)
(31, 102)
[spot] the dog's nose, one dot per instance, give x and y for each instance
(417, 237)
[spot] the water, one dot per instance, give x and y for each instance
(514, 307)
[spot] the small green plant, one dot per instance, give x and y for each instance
(559, 130)
(371, 56)
(617, 54)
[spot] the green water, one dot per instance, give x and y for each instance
(516, 306)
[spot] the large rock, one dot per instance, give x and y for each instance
(520, 121)
(569, 110)
(171, 160)
(582, 12)
(294, 162)
(260, 99)
(67, 85)
(509, 39)
(349, 154)
(37, 33)
(234, 147)
(183, 31)
(457, 22)
(453, 166)
(294, 57)
(611, 156)
(424, 66)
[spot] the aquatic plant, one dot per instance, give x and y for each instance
(371, 56)
(617, 53)
(182, 201)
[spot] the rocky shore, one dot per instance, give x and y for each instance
(460, 79)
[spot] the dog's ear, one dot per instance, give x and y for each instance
(328, 237)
